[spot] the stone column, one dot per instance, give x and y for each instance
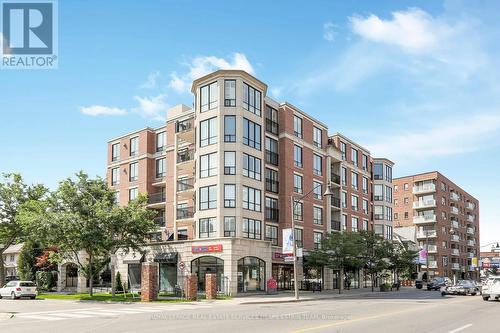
(149, 281)
(211, 286)
(192, 287)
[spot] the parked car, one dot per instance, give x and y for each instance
(462, 287)
(479, 287)
(491, 288)
(18, 289)
(438, 282)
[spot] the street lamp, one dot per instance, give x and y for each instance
(327, 193)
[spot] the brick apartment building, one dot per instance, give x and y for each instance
(222, 176)
(446, 221)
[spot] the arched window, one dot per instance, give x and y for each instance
(251, 274)
(208, 265)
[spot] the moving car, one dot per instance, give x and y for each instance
(463, 287)
(18, 289)
(438, 282)
(491, 288)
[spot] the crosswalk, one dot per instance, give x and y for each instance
(105, 312)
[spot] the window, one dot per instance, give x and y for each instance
(317, 215)
(396, 216)
(229, 92)
(272, 234)
(251, 167)
(133, 171)
(354, 224)
(378, 212)
(364, 162)
(297, 156)
(208, 97)
(272, 209)
(229, 226)
(378, 192)
(388, 213)
(365, 206)
(344, 222)
(344, 176)
(344, 199)
(297, 126)
(406, 200)
(272, 183)
(378, 171)
(396, 202)
(115, 152)
(251, 99)
(406, 215)
(229, 128)
(229, 162)
(388, 232)
(298, 211)
(343, 150)
(115, 176)
(297, 183)
(365, 224)
(354, 180)
(317, 190)
(272, 151)
(208, 197)
(317, 165)
(251, 199)
(229, 195)
(132, 193)
(252, 228)
(208, 165)
(208, 132)
(160, 141)
(272, 120)
(388, 173)
(317, 240)
(161, 167)
(207, 228)
(251, 134)
(134, 146)
(405, 186)
(299, 238)
(354, 156)
(388, 194)
(317, 137)
(117, 197)
(395, 188)
(365, 185)
(354, 202)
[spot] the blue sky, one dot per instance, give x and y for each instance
(415, 81)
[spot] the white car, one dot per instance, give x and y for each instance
(17, 289)
(491, 288)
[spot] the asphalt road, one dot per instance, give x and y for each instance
(414, 311)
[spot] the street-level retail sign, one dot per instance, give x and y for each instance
(206, 248)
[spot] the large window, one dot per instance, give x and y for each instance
(133, 171)
(115, 176)
(252, 228)
(251, 167)
(344, 176)
(354, 202)
(134, 146)
(133, 193)
(252, 199)
(317, 236)
(208, 132)
(388, 213)
(298, 211)
(343, 150)
(354, 224)
(272, 209)
(388, 194)
(297, 183)
(317, 137)
(317, 215)
(229, 226)
(229, 195)
(317, 165)
(297, 126)
(365, 185)
(365, 206)
(161, 167)
(207, 228)
(271, 151)
(378, 192)
(354, 180)
(299, 238)
(229, 128)
(272, 183)
(251, 134)
(160, 141)
(317, 190)
(354, 156)
(272, 234)
(297, 156)
(229, 162)
(229, 92)
(251, 99)
(208, 197)
(364, 162)
(388, 173)
(115, 152)
(272, 120)
(208, 165)
(209, 96)
(378, 212)
(378, 171)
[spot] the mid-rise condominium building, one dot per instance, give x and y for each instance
(223, 177)
(446, 221)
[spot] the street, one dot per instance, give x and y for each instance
(409, 310)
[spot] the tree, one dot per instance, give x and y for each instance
(48, 260)
(339, 251)
(13, 194)
(375, 253)
(27, 261)
(402, 260)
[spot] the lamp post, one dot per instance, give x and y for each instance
(452, 232)
(294, 201)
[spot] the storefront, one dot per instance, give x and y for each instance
(167, 270)
(251, 274)
(283, 274)
(208, 265)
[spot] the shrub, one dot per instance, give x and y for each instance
(118, 282)
(44, 280)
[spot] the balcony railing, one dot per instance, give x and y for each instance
(156, 198)
(454, 224)
(272, 157)
(185, 213)
(272, 185)
(455, 252)
(454, 210)
(470, 255)
(159, 221)
(470, 206)
(426, 233)
(424, 219)
(185, 184)
(470, 231)
(272, 126)
(335, 178)
(272, 214)
(454, 196)
(335, 202)
(183, 126)
(471, 242)
(420, 204)
(455, 238)
(185, 155)
(335, 225)
(470, 218)
(425, 188)
(455, 266)
(432, 248)
(432, 264)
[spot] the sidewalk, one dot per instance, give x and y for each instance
(305, 296)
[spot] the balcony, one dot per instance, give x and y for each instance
(432, 264)
(424, 204)
(471, 242)
(426, 234)
(156, 198)
(471, 218)
(470, 255)
(185, 130)
(335, 202)
(335, 225)
(272, 126)
(454, 210)
(335, 178)
(424, 219)
(160, 221)
(425, 188)
(470, 231)
(454, 196)
(185, 213)
(455, 238)
(432, 249)
(185, 155)
(455, 266)
(272, 185)
(272, 157)
(470, 206)
(454, 224)
(272, 214)
(185, 184)
(455, 252)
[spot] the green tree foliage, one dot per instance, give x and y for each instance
(402, 260)
(119, 284)
(27, 261)
(375, 254)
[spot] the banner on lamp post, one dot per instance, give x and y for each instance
(287, 241)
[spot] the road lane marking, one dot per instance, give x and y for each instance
(460, 328)
(42, 317)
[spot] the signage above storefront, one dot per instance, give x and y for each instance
(206, 248)
(166, 257)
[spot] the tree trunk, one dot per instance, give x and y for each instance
(373, 280)
(2, 269)
(91, 274)
(341, 278)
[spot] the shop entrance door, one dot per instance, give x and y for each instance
(283, 274)
(168, 277)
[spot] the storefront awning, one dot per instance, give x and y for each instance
(166, 257)
(133, 258)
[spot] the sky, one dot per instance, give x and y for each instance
(414, 81)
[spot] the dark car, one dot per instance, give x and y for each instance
(437, 283)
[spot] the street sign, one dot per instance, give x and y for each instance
(288, 259)
(182, 265)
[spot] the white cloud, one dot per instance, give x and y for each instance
(329, 32)
(154, 108)
(413, 30)
(151, 81)
(203, 65)
(276, 92)
(100, 110)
